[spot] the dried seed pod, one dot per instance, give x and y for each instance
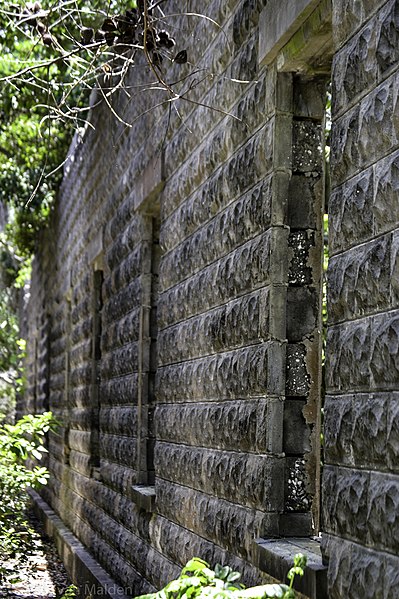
(41, 27)
(28, 17)
(123, 24)
(109, 25)
(109, 37)
(181, 57)
(164, 40)
(99, 36)
(47, 39)
(86, 35)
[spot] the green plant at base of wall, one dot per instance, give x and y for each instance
(197, 580)
(18, 443)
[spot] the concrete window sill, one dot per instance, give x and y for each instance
(276, 556)
(144, 497)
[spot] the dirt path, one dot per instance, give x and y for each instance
(40, 576)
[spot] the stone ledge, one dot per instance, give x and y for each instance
(144, 497)
(82, 568)
(276, 556)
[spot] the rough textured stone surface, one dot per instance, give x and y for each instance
(359, 281)
(205, 380)
(360, 481)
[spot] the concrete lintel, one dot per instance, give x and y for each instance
(149, 184)
(276, 557)
(95, 251)
(279, 20)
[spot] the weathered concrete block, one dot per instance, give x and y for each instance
(348, 356)
(136, 231)
(252, 371)
(278, 22)
(385, 206)
(304, 195)
(307, 149)
(245, 167)
(338, 553)
(227, 425)
(383, 513)
(297, 375)
(354, 67)
(243, 320)
(247, 479)
(384, 358)
(387, 52)
(302, 312)
(337, 430)
(350, 212)
(296, 431)
(344, 146)
(369, 435)
(126, 299)
(391, 577)
(241, 271)
(121, 450)
(301, 244)
(345, 492)
(216, 520)
(119, 391)
(392, 447)
(180, 544)
(359, 281)
(79, 440)
(366, 576)
(119, 478)
(395, 269)
(80, 462)
(356, 13)
(118, 420)
(245, 218)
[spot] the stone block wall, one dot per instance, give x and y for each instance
(361, 482)
(175, 305)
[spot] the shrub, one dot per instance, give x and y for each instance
(198, 581)
(18, 443)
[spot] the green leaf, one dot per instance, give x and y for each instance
(233, 576)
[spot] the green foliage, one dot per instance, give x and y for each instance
(52, 54)
(18, 443)
(197, 580)
(70, 592)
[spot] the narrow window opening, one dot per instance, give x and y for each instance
(143, 493)
(327, 131)
(305, 309)
(67, 399)
(148, 334)
(155, 259)
(97, 306)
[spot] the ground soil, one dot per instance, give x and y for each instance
(39, 575)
